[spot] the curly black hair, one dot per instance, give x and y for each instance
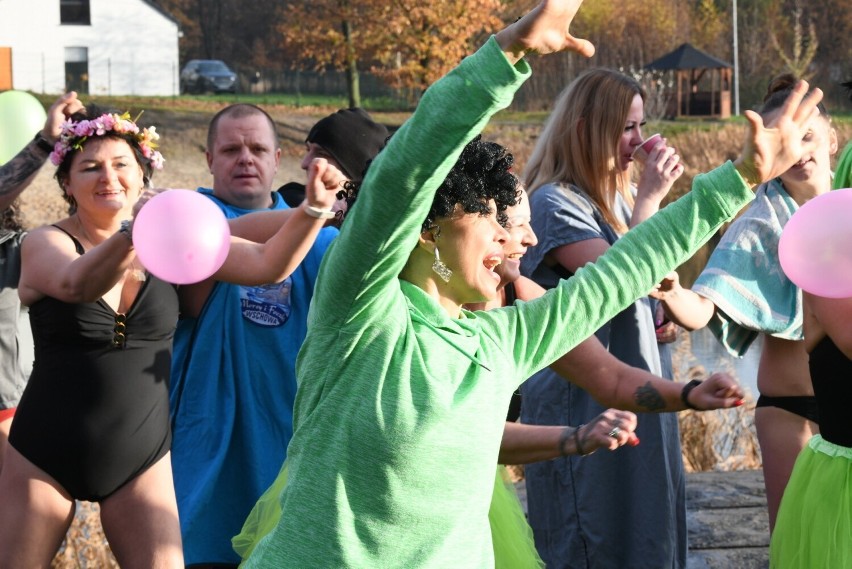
(482, 173)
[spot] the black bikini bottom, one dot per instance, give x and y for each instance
(801, 405)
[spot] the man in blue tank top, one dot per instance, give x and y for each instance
(233, 372)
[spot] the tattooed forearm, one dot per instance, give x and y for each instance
(16, 173)
(649, 398)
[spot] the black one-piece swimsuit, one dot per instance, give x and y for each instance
(95, 413)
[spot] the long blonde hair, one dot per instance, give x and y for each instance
(579, 142)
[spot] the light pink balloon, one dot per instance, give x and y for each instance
(815, 249)
(181, 236)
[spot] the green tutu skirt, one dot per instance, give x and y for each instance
(263, 517)
(814, 524)
(510, 533)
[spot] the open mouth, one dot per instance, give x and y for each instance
(491, 263)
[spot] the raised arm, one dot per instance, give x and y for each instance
(613, 383)
(383, 227)
(772, 148)
(50, 266)
(250, 263)
(544, 30)
(19, 172)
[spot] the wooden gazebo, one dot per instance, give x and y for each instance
(703, 82)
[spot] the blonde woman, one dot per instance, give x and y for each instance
(583, 202)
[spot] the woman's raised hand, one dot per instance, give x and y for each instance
(59, 111)
(773, 147)
(661, 169)
(544, 30)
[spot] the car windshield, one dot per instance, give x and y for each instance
(213, 67)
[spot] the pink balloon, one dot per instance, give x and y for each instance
(815, 249)
(181, 236)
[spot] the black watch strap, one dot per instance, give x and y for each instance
(684, 394)
(43, 143)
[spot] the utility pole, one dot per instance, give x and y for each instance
(736, 65)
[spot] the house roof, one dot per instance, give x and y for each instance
(160, 10)
(686, 57)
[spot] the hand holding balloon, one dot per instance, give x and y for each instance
(814, 248)
(180, 236)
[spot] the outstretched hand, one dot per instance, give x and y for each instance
(544, 30)
(324, 181)
(719, 391)
(773, 147)
(59, 111)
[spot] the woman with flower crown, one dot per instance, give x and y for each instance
(93, 423)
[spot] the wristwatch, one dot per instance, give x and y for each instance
(43, 143)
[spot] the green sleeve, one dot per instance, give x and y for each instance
(384, 225)
(548, 327)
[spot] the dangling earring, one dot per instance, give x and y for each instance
(440, 268)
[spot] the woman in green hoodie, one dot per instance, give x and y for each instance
(402, 394)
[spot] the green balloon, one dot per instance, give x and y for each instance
(21, 116)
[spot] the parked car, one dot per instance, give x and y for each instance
(204, 75)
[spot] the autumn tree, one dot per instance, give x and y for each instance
(323, 34)
(408, 43)
(422, 41)
(710, 28)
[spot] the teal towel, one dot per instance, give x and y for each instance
(744, 279)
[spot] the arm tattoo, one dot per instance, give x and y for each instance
(18, 170)
(648, 397)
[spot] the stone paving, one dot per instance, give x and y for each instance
(726, 519)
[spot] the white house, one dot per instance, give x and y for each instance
(99, 47)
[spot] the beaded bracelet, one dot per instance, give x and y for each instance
(577, 441)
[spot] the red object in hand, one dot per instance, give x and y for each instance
(641, 152)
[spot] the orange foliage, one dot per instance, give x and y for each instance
(408, 43)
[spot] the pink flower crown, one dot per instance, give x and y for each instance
(74, 134)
